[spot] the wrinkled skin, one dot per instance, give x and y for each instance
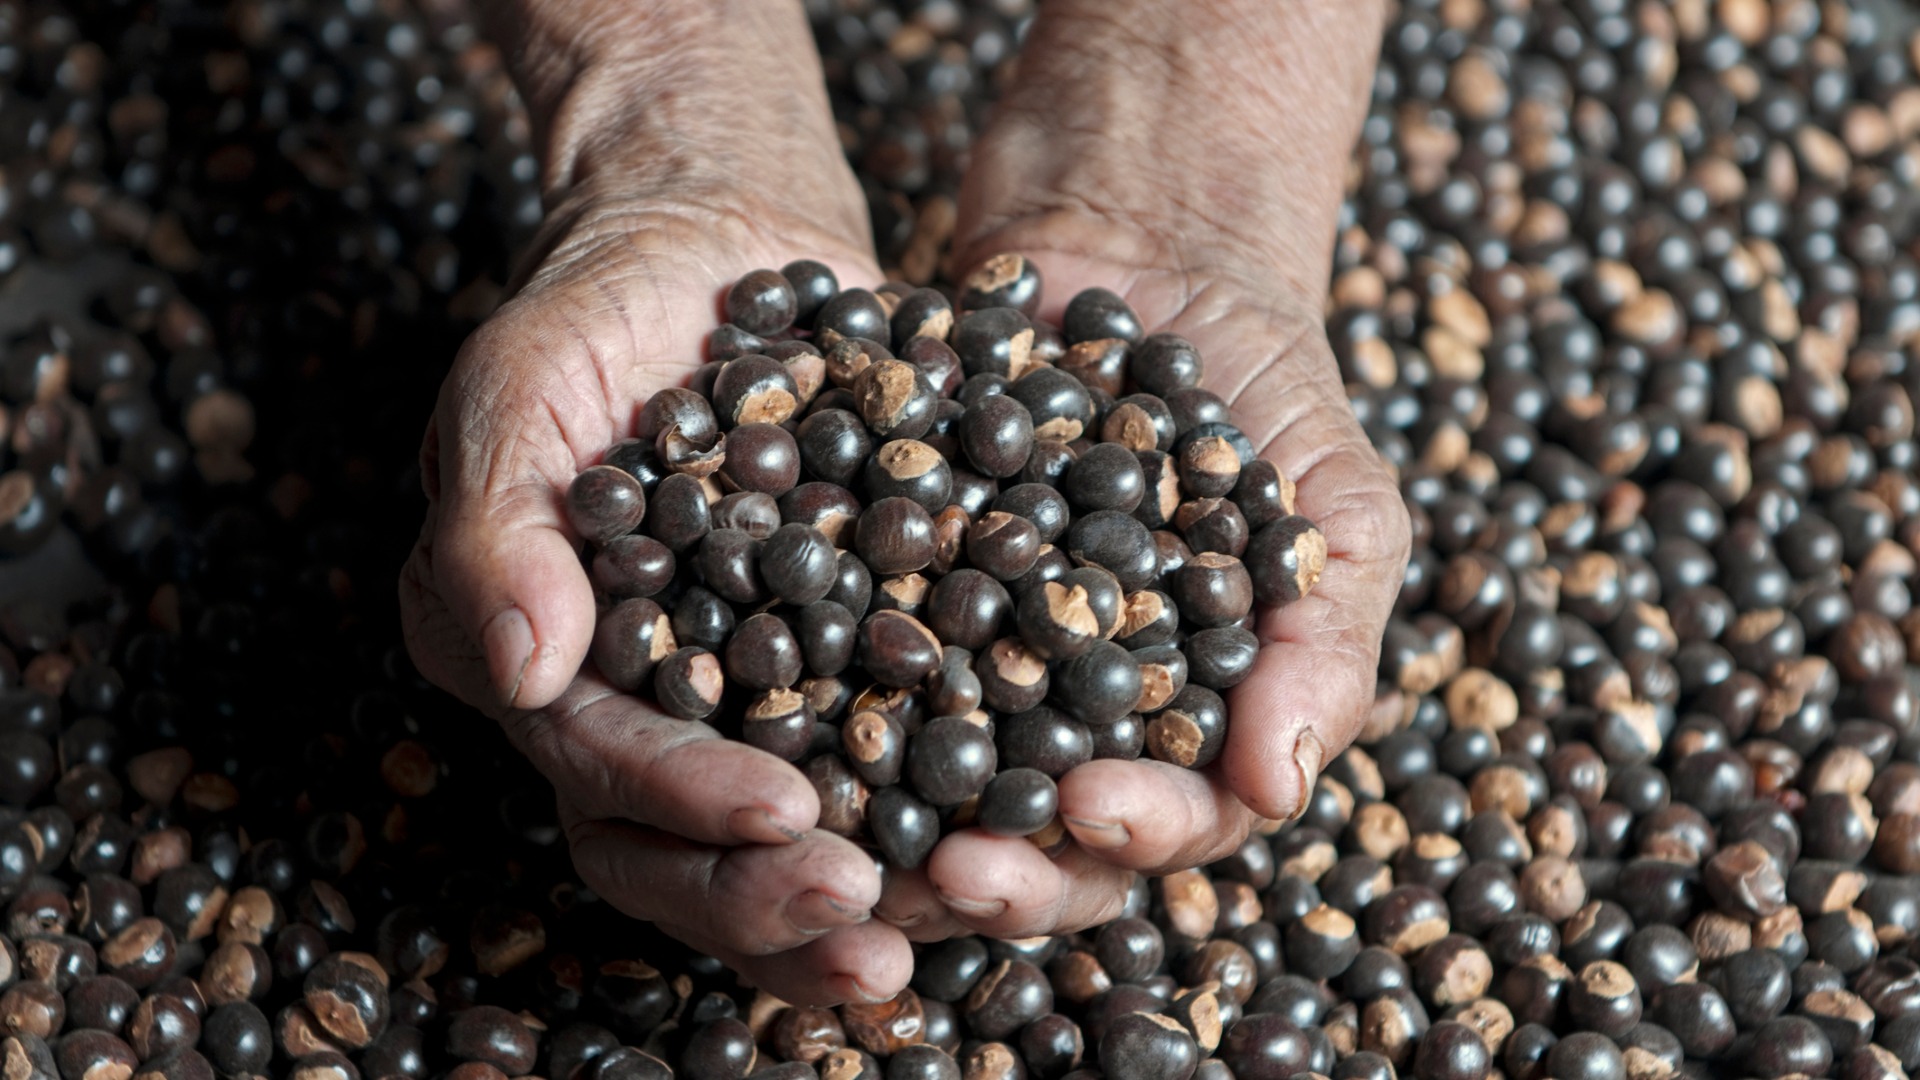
(715, 840)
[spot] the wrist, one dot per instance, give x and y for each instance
(1209, 136)
(681, 99)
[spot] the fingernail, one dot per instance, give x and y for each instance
(1105, 835)
(755, 825)
(907, 921)
(1307, 755)
(850, 988)
(814, 912)
(979, 909)
(851, 913)
(508, 641)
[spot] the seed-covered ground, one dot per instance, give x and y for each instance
(1626, 292)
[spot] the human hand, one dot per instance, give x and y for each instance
(710, 838)
(1224, 242)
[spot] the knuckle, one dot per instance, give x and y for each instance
(1388, 513)
(1355, 692)
(531, 731)
(1227, 837)
(1110, 902)
(591, 846)
(657, 772)
(737, 910)
(1370, 525)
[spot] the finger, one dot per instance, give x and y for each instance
(909, 903)
(1150, 816)
(1313, 681)
(616, 756)
(754, 899)
(438, 644)
(868, 963)
(521, 413)
(1006, 887)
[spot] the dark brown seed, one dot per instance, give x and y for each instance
(911, 469)
(761, 457)
(762, 302)
(688, 683)
(1118, 544)
(1057, 621)
(161, 1025)
(922, 313)
(781, 722)
(876, 747)
(695, 457)
(631, 638)
(95, 1055)
(348, 1002)
(852, 313)
(1213, 589)
(752, 512)
(827, 637)
(813, 285)
(1018, 802)
(1107, 476)
(676, 407)
(996, 434)
(1263, 494)
(753, 390)
(1209, 467)
(678, 515)
(846, 359)
(1003, 545)
(895, 536)
(728, 563)
(1101, 365)
(1005, 280)
(1097, 313)
(1138, 1046)
(141, 954)
(1100, 685)
(604, 502)
(1164, 363)
(904, 827)
(807, 1035)
(1140, 423)
(630, 566)
(763, 654)
(1212, 525)
(1222, 657)
(834, 445)
(1191, 731)
(1285, 559)
(1745, 881)
(897, 648)
(1008, 996)
(994, 340)
(967, 608)
(885, 1028)
(894, 399)
(33, 1008)
(236, 971)
(949, 761)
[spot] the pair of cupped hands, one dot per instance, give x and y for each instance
(712, 839)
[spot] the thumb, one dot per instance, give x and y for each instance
(503, 557)
(514, 582)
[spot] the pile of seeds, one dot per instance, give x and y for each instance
(939, 580)
(1625, 291)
